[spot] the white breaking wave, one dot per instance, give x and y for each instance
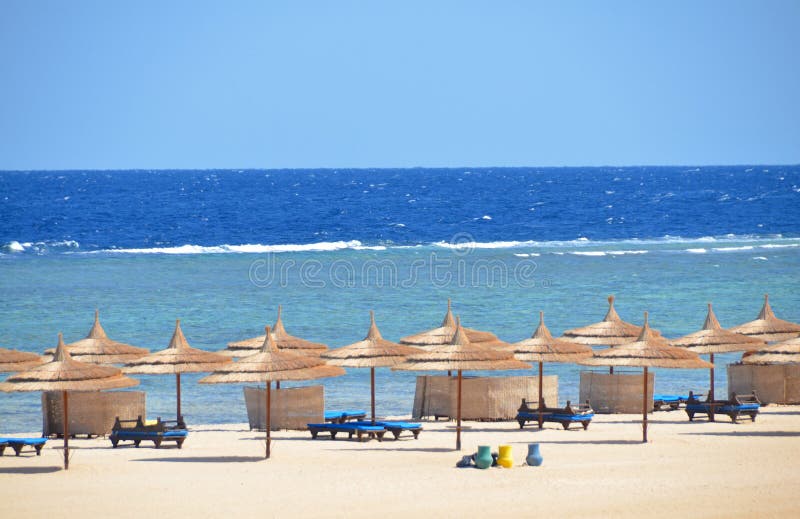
(697, 251)
(248, 248)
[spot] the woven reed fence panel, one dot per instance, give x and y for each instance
(90, 412)
(773, 383)
(292, 408)
(483, 398)
(617, 393)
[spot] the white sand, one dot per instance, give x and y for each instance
(687, 470)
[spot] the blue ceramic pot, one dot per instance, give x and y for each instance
(484, 459)
(534, 458)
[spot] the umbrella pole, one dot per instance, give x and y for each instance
(66, 431)
(178, 386)
(458, 416)
(541, 397)
(644, 407)
(269, 415)
(711, 389)
(372, 383)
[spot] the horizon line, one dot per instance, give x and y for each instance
(384, 168)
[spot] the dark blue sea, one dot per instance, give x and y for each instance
(221, 249)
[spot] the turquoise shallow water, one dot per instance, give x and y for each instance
(326, 296)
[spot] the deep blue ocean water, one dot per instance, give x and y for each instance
(221, 249)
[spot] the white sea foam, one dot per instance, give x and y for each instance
(250, 248)
(761, 258)
(589, 253)
(697, 251)
(732, 249)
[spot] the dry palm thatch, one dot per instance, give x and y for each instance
(270, 364)
(64, 374)
(461, 355)
(374, 351)
(444, 334)
(15, 360)
(282, 339)
(768, 327)
(715, 339)
(177, 358)
(97, 348)
(786, 352)
(611, 331)
(543, 347)
(649, 350)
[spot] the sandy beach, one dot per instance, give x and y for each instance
(688, 469)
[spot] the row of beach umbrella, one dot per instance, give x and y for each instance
(277, 356)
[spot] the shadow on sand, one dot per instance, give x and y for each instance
(29, 470)
(206, 459)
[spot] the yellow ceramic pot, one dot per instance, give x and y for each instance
(505, 460)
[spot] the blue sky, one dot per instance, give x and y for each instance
(297, 84)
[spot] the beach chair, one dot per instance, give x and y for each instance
(566, 416)
(737, 405)
(157, 432)
(20, 443)
(345, 416)
(351, 428)
(663, 402)
(396, 428)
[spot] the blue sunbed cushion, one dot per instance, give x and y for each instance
(353, 412)
(24, 441)
(180, 433)
(739, 407)
(570, 417)
(391, 425)
(333, 415)
(668, 398)
(346, 426)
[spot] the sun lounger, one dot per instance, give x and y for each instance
(360, 431)
(345, 416)
(139, 430)
(663, 402)
(566, 416)
(396, 428)
(747, 405)
(20, 443)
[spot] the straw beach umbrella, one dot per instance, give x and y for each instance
(712, 338)
(283, 340)
(97, 348)
(460, 355)
(271, 364)
(372, 352)
(15, 360)
(649, 350)
(768, 327)
(786, 352)
(611, 331)
(543, 347)
(65, 374)
(444, 334)
(177, 358)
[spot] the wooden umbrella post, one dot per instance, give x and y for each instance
(269, 415)
(541, 397)
(644, 407)
(458, 415)
(372, 384)
(178, 386)
(66, 431)
(711, 389)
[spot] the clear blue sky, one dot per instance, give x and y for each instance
(409, 83)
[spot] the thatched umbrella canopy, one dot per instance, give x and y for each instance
(282, 339)
(768, 327)
(649, 350)
(65, 374)
(270, 364)
(786, 352)
(444, 334)
(372, 352)
(14, 360)
(97, 348)
(460, 354)
(542, 347)
(712, 338)
(177, 358)
(611, 331)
